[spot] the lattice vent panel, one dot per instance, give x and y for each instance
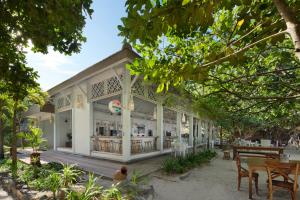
(152, 93)
(107, 87)
(113, 85)
(68, 100)
(60, 103)
(139, 88)
(97, 90)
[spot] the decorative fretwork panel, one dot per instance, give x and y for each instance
(97, 90)
(113, 85)
(63, 102)
(139, 88)
(60, 103)
(109, 86)
(68, 100)
(151, 93)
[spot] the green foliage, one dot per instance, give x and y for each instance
(5, 165)
(230, 56)
(54, 182)
(91, 191)
(182, 164)
(112, 193)
(34, 137)
(69, 175)
(38, 177)
(61, 23)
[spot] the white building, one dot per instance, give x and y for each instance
(83, 123)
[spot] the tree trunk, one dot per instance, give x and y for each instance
(221, 138)
(1, 140)
(293, 25)
(14, 142)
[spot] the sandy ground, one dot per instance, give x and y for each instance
(214, 181)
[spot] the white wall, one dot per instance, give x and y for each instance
(117, 118)
(81, 121)
(170, 127)
(149, 125)
(62, 127)
(47, 128)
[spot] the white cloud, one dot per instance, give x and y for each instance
(52, 68)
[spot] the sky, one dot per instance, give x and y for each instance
(102, 40)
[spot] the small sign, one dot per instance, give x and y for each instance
(114, 106)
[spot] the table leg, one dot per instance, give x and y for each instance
(250, 183)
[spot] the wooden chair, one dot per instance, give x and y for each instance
(242, 172)
(226, 155)
(276, 169)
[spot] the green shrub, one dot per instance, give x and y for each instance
(182, 164)
(112, 193)
(53, 183)
(5, 165)
(92, 191)
(69, 175)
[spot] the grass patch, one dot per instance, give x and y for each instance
(180, 165)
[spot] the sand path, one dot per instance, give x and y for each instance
(214, 181)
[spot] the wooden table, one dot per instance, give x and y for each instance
(258, 164)
(271, 152)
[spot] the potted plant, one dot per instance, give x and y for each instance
(69, 142)
(34, 139)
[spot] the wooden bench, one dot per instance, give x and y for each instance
(267, 152)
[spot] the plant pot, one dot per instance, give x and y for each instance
(35, 159)
(69, 144)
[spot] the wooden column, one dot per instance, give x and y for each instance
(160, 126)
(178, 125)
(126, 118)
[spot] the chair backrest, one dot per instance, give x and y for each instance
(285, 170)
(239, 165)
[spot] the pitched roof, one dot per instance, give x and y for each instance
(125, 52)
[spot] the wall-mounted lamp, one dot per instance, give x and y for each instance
(131, 103)
(183, 118)
(154, 114)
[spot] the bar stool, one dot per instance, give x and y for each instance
(136, 146)
(116, 146)
(120, 147)
(101, 145)
(106, 145)
(95, 144)
(148, 146)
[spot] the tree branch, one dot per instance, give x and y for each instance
(241, 50)
(293, 25)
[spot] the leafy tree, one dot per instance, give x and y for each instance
(5, 114)
(34, 138)
(240, 58)
(43, 23)
(251, 22)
